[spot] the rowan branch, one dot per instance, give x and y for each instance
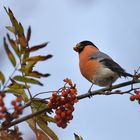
(101, 91)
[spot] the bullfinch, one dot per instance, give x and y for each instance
(97, 67)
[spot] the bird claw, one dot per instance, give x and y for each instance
(90, 93)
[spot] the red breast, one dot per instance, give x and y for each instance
(88, 67)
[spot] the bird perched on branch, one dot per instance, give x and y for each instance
(96, 66)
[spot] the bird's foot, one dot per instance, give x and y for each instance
(89, 93)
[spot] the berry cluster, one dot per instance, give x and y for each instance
(63, 102)
(5, 115)
(136, 96)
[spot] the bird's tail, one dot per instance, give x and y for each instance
(125, 74)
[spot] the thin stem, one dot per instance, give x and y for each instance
(16, 68)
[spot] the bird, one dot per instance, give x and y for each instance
(97, 67)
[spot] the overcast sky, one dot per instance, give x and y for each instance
(114, 26)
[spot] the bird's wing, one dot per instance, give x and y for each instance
(99, 56)
(109, 63)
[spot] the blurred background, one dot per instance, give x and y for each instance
(114, 26)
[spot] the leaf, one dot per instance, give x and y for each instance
(2, 77)
(28, 67)
(9, 53)
(46, 129)
(37, 47)
(20, 30)
(28, 80)
(15, 85)
(12, 18)
(11, 29)
(38, 104)
(38, 58)
(18, 92)
(13, 45)
(78, 137)
(28, 34)
(41, 135)
(37, 74)
(47, 118)
(26, 54)
(22, 41)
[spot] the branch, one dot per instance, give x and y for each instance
(26, 118)
(79, 97)
(102, 91)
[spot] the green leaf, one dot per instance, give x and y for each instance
(28, 67)
(38, 104)
(32, 123)
(28, 80)
(78, 137)
(26, 54)
(20, 30)
(47, 118)
(11, 29)
(37, 74)
(37, 47)
(2, 77)
(9, 53)
(38, 58)
(28, 34)
(13, 19)
(16, 85)
(13, 45)
(18, 92)
(41, 135)
(41, 123)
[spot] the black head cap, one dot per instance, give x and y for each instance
(80, 46)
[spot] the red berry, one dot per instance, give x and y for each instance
(137, 91)
(57, 117)
(64, 125)
(70, 117)
(62, 101)
(64, 94)
(58, 111)
(19, 99)
(3, 109)
(49, 104)
(69, 112)
(63, 114)
(13, 102)
(54, 95)
(132, 98)
(137, 96)
(1, 116)
(59, 123)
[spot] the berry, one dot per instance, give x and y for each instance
(137, 96)
(13, 102)
(3, 109)
(132, 98)
(19, 99)
(63, 115)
